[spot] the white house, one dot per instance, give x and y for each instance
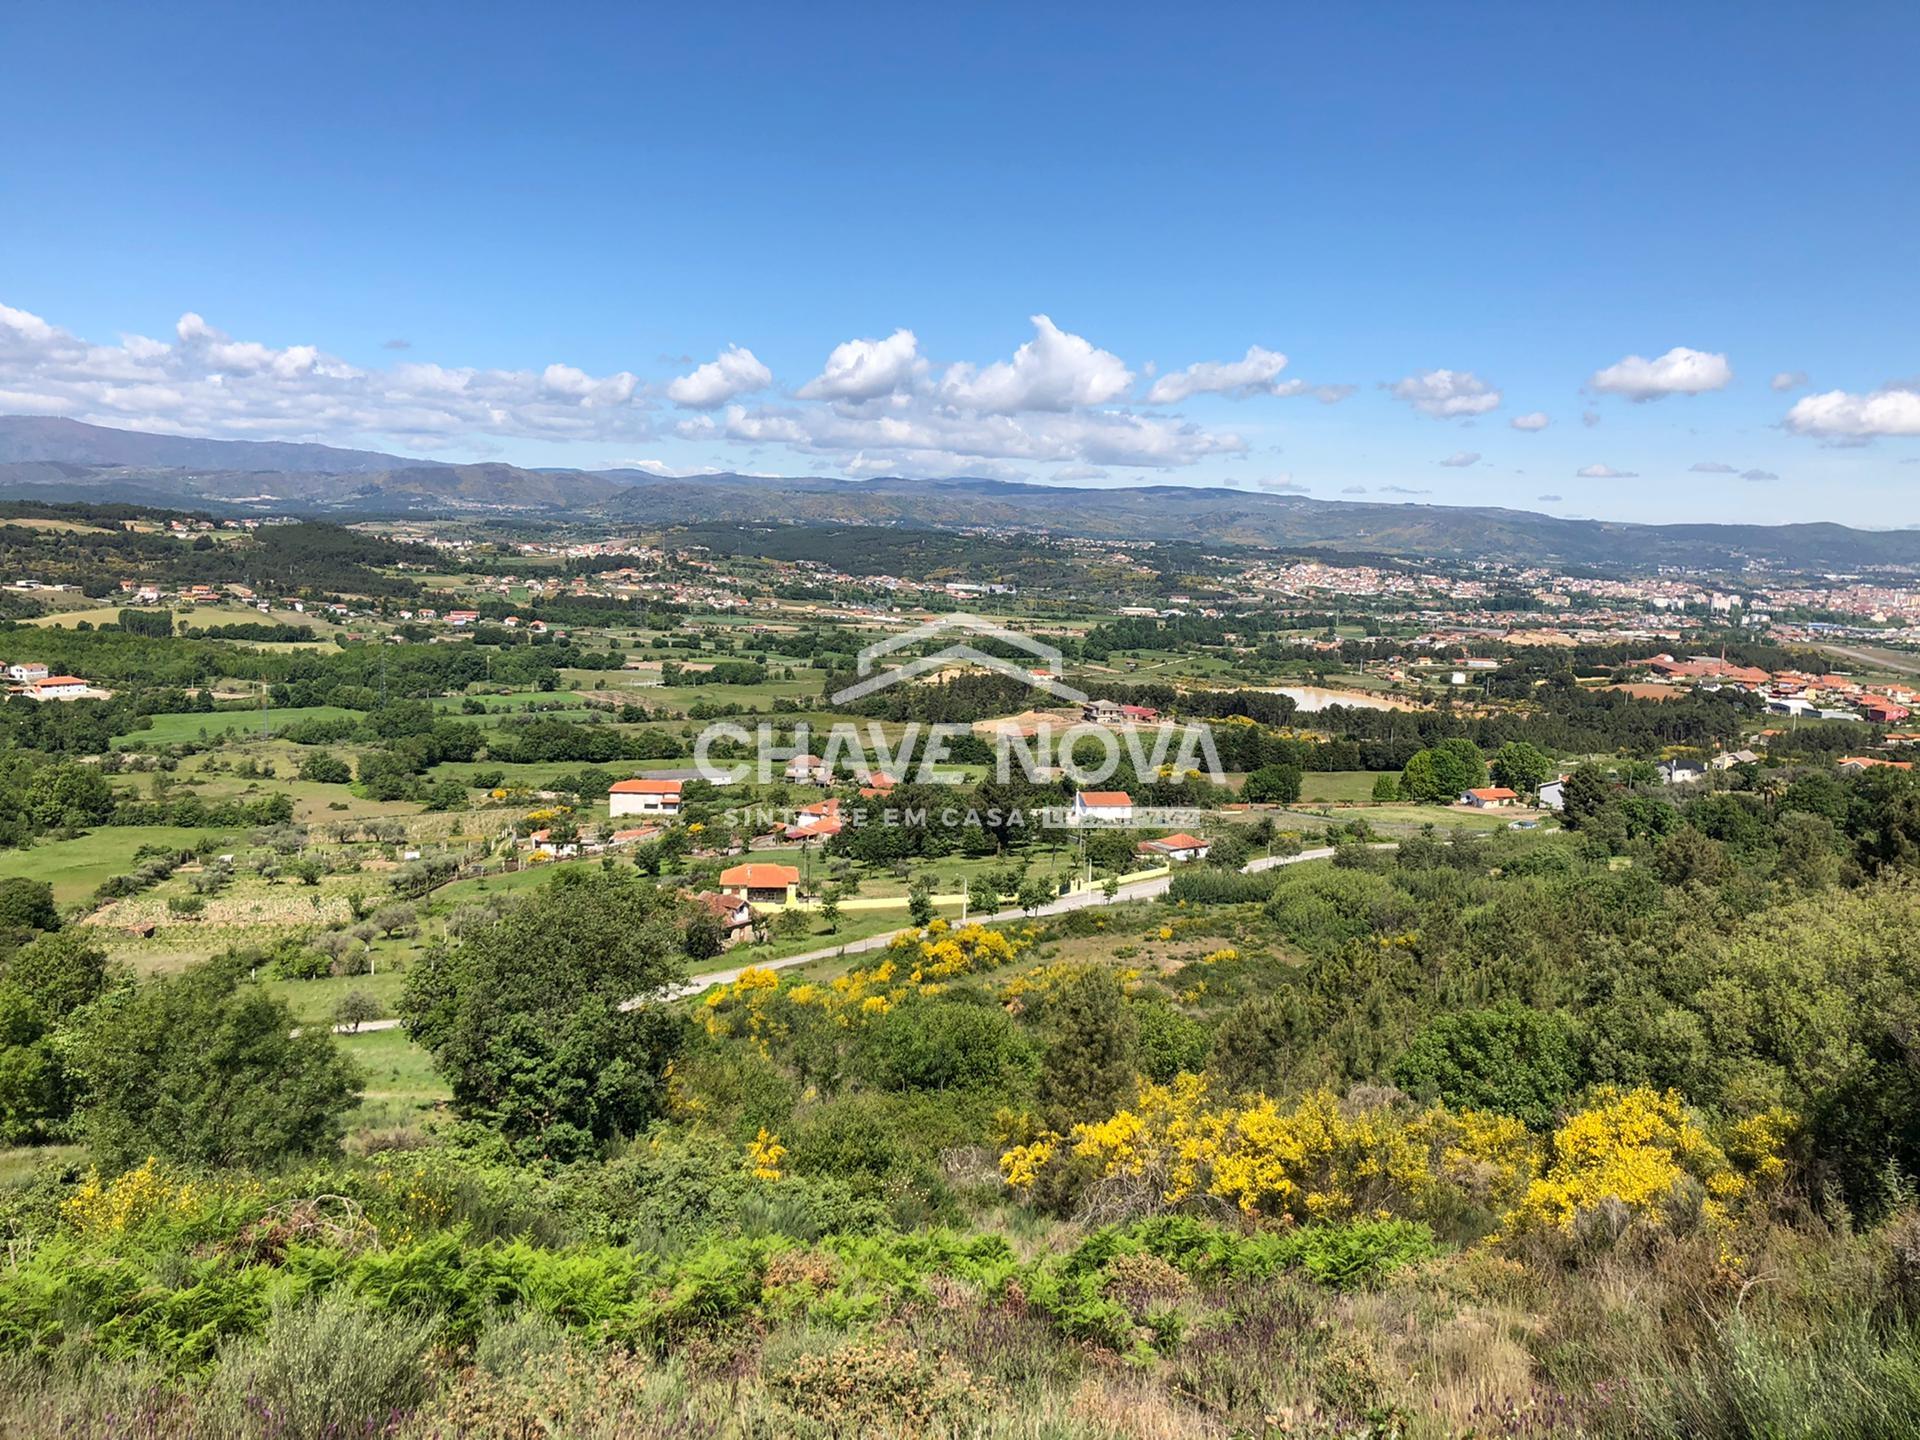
(26, 674)
(643, 797)
(1177, 849)
(807, 770)
(1101, 807)
(60, 687)
(1553, 794)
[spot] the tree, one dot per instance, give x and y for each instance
(325, 769)
(1586, 794)
(920, 906)
(702, 935)
(1170, 1042)
(25, 906)
(390, 919)
(41, 986)
(983, 894)
(1034, 891)
(207, 1068)
(1386, 789)
(1091, 1047)
(1520, 766)
(1258, 1043)
(1508, 1059)
(1273, 785)
(356, 1008)
(58, 972)
(1441, 773)
(525, 1018)
(830, 907)
(943, 1045)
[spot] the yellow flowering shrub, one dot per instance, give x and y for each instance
(764, 1154)
(1636, 1147)
(131, 1201)
(756, 1006)
(1319, 1157)
(1312, 1158)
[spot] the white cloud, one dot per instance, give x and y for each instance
(922, 439)
(1838, 414)
(1532, 420)
(1080, 472)
(1353, 490)
(1548, 499)
(1788, 380)
(1604, 472)
(1713, 467)
(1589, 418)
(1678, 372)
(204, 382)
(1446, 394)
(1758, 475)
(1054, 371)
(1255, 373)
(1281, 484)
(1401, 490)
(1460, 459)
(867, 369)
(733, 373)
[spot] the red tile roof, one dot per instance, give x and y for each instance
(760, 876)
(646, 787)
(1105, 799)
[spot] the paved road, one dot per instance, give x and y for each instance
(1138, 890)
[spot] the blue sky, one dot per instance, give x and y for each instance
(474, 232)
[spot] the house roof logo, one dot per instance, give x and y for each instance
(1045, 677)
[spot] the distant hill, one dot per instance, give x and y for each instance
(48, 437)
(52, 459)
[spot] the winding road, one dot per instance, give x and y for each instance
(1080, 900)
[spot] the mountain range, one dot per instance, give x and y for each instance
(52, 459)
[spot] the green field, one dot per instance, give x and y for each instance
(76, 867)
(1340, 787)
(401, 1086)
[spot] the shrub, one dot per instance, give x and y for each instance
(1206, 885)
(328, 1368)
(943, 1045)
(1509, 1059)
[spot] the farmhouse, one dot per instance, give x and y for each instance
(1179, 848)
(643, 797)
(1101, 807)
(734, 914)
(806, 770)
(761, 883)
(819, 821)
(61, 687)
(1489, 797)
